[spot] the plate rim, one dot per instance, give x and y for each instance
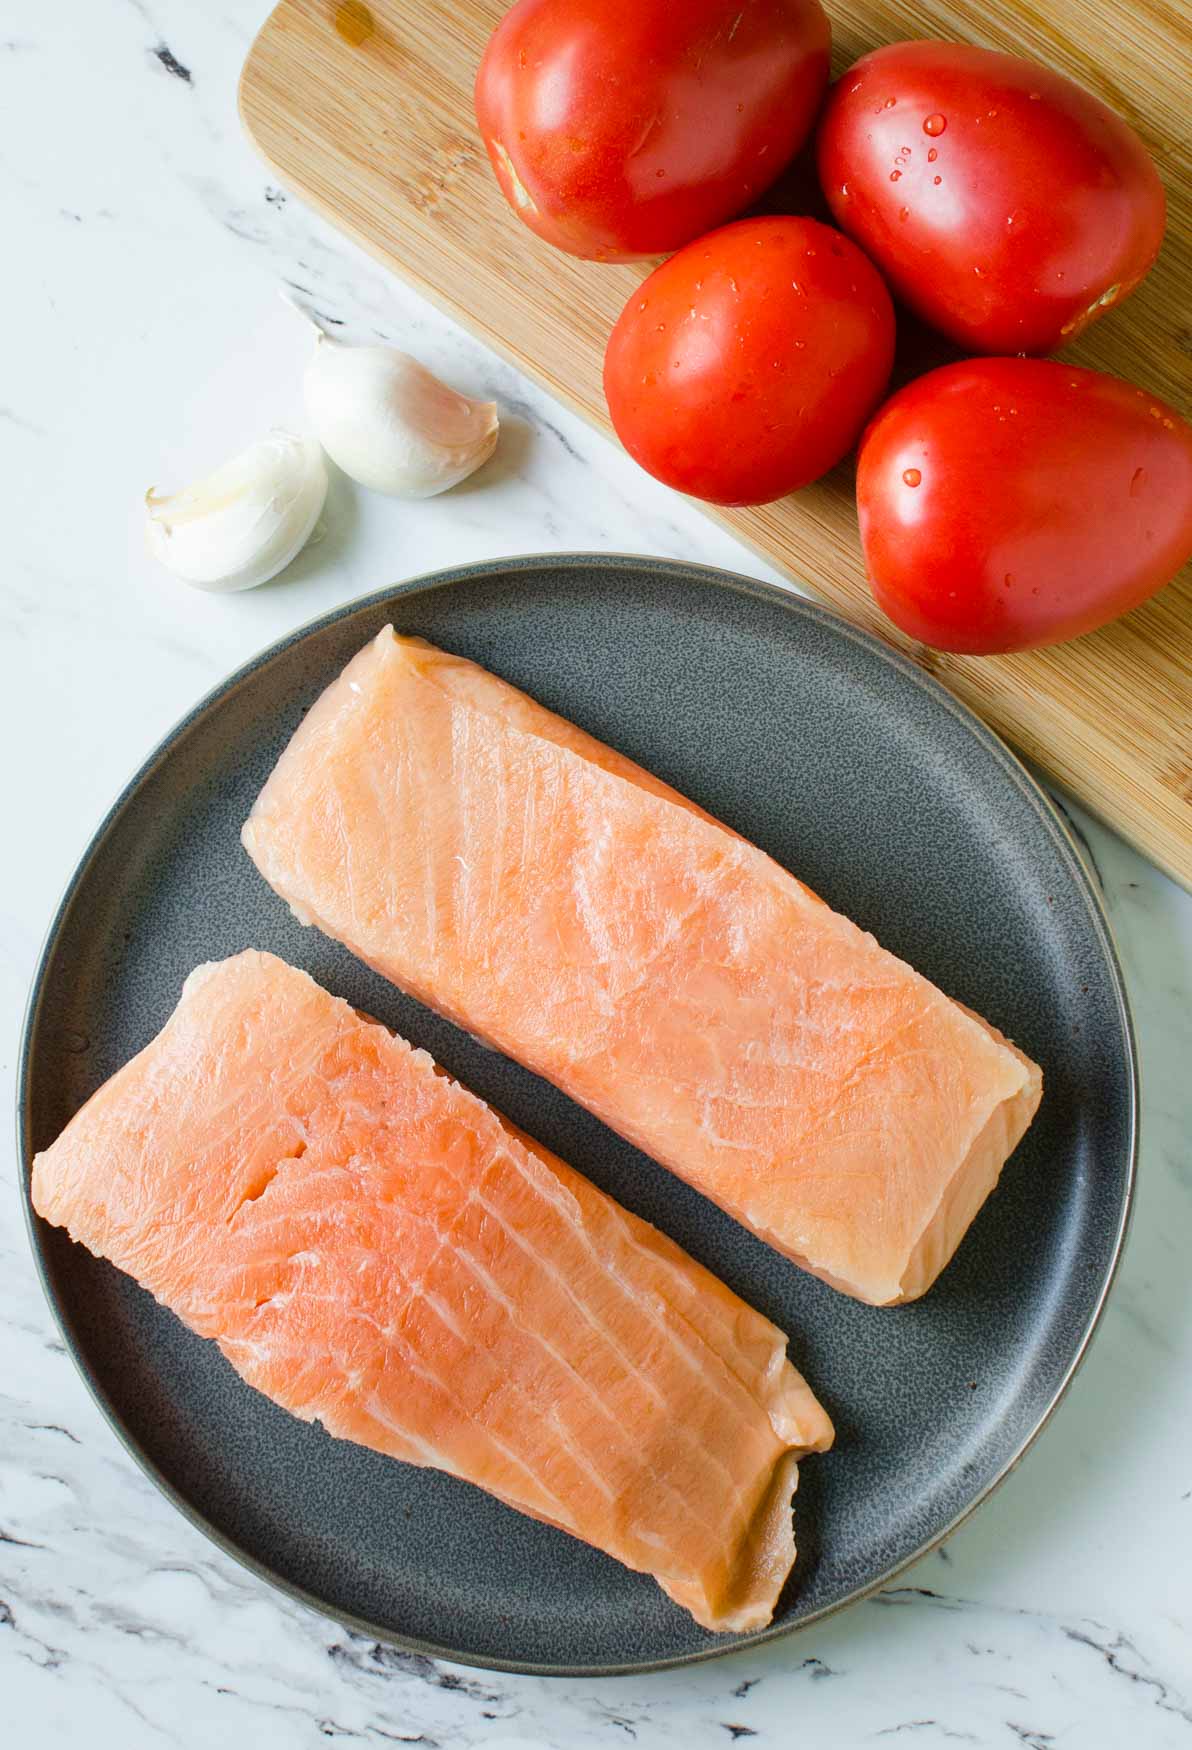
(424, 583)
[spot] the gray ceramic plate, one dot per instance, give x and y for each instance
(868, 781)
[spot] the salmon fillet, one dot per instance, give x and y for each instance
(374, 1248)
(581, 916)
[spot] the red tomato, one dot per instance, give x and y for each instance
(623, 128)
(1006, 503)
(1005, 205)
(746, 365)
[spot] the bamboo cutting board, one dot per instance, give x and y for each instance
(366, 111)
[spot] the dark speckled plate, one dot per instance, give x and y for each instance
(874, 786)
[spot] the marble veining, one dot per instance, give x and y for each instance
(145, 340)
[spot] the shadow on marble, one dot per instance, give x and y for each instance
(340, 520)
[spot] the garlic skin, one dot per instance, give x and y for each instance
(390, 424)
(242, 524)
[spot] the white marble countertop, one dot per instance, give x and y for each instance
(143, 341)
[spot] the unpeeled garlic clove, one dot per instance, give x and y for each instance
(242, 524)
(392, 425)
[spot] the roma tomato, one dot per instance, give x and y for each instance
(622, 128)
(1005, 205)
(1006, 503)
(746, 365)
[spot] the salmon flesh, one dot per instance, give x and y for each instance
(374, 1248)
(567, 907)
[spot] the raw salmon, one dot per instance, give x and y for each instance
(559, 902)
(373, 1247)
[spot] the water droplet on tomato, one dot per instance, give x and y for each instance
(911, 476)
(894, 175)
(980, 272)
(1137, 482)
(1155, 413)
(937, 180)
(890, 102)
(1007, 580)
(1034, 96)
(904, 214)
(935, 125)
(844, 191)
(1169, 425)
(1034, 592)
(795, 286)
(932, 156)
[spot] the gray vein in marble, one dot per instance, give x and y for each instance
(172, 64)
(18, 1542)
(535, 416)
(1115, 1654)
(375, 1659)
(816, 1669)
(1116, 1651)
(52, 1428)
(317, 315)
(12, 417)
(933, 1726)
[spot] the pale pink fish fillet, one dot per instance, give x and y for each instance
(573, 911)
(373, 1247)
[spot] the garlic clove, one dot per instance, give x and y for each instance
(242, 524)
(390, 424)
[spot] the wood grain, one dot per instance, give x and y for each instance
(366, 111)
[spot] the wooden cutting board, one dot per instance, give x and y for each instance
(366, 111)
